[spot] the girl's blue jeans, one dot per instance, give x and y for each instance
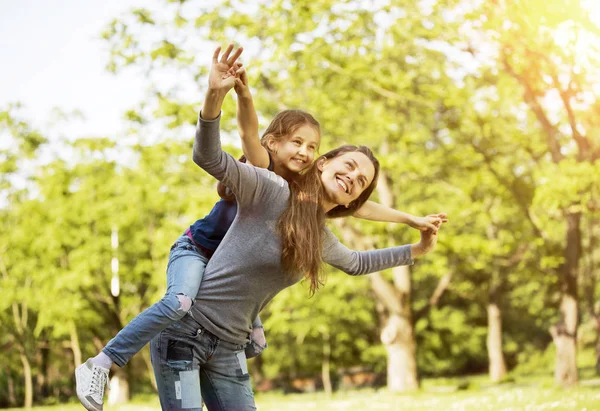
(185, 270)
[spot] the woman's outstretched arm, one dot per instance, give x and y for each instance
(365, 262)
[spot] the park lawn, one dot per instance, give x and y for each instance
(535, 394)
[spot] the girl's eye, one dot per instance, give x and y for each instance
(297, 143)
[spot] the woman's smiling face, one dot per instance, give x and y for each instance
(346, 176)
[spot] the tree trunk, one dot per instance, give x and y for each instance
(43, 380)
(399, 340)
(75, 344)
(148, 361)
(564, 332)
(564, 335)
(28, 381)
(325, 367)
(494, 343)
(12, 398)
(119, 388)
(398, 335)
(497, 365)
(597, 346)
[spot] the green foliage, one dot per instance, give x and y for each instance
(342, 313)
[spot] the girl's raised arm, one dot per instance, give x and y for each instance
(247, 122)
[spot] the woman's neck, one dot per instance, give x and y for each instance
(327, 205)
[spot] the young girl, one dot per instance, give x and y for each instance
(288, 147)
(277, 237)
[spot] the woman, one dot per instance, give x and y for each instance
(277, 238)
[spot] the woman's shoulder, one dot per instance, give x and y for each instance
(272, 179)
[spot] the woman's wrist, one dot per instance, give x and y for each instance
(216, 93)
(212, 104)
(417, 250)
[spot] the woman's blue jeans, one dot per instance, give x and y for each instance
(185, 270)
(192, 365)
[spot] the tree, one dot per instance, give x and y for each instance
(547, 49)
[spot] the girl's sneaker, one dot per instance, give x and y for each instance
(90, 380)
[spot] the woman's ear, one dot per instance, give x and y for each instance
(321, 163)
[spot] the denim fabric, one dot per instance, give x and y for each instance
(184, 275)
(192, 365)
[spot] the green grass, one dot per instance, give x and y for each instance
(531, 393)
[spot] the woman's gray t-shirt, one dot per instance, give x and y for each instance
(245, 272)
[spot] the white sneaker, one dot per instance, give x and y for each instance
(90, 380)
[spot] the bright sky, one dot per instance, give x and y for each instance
(52, 56)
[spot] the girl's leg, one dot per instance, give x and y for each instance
(184, 275)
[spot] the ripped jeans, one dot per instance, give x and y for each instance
(185, 270)
(193, 366)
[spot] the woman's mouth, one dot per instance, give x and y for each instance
(342, 184)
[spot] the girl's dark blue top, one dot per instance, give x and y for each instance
(210, 230)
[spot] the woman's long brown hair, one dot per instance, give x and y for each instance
(301, 226)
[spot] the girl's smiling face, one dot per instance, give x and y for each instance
(296, 152)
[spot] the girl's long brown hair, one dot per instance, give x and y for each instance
(301, 226)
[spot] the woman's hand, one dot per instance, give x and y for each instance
(221, 79)
(222, 71)
(429, 222)
(428, 241)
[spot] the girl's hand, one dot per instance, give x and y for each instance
(258, 342)
(222, 72)
(430, 222)
(241, 83)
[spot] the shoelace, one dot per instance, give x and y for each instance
(99, 380)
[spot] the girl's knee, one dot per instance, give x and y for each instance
(185, 302)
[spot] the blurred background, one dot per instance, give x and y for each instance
(487, 110)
